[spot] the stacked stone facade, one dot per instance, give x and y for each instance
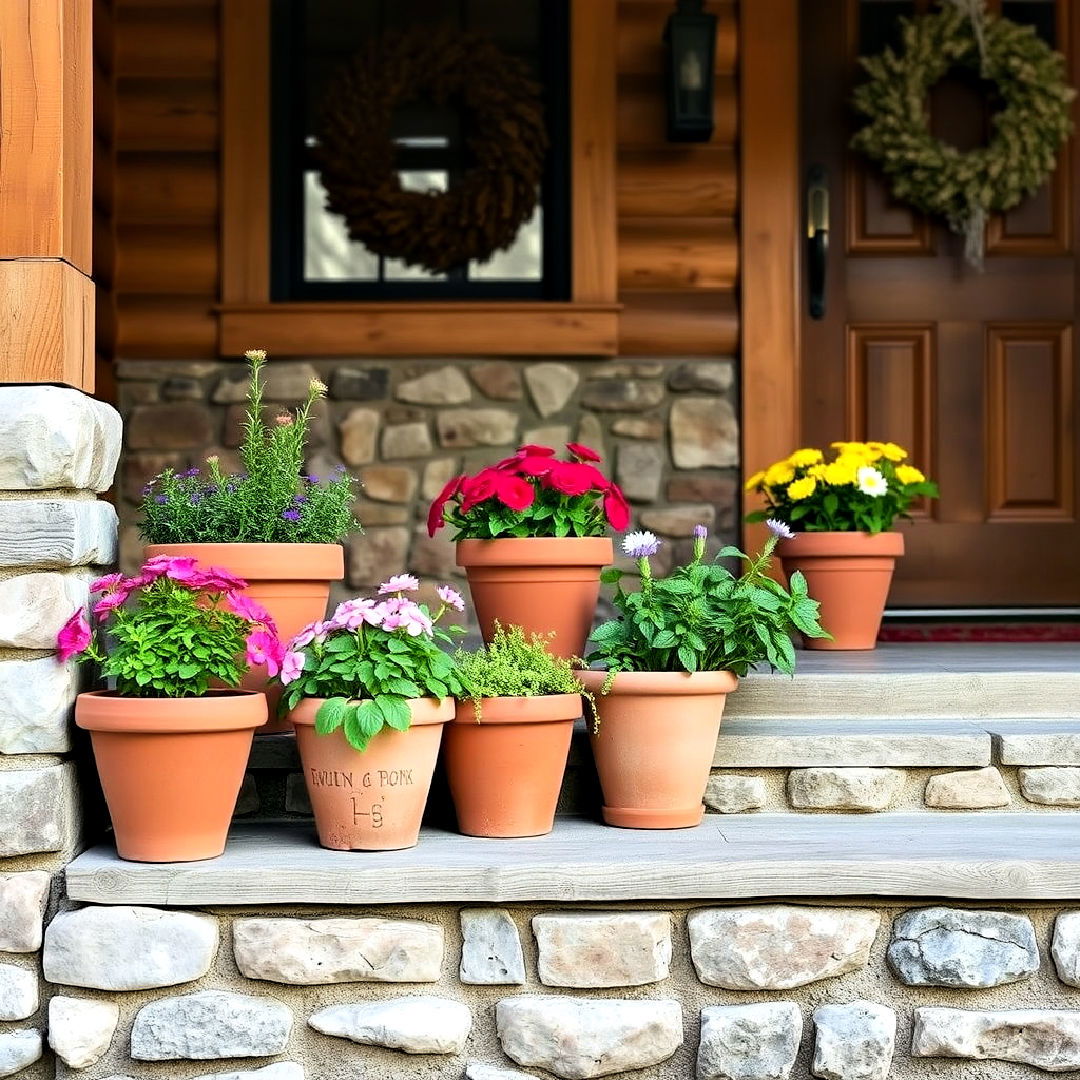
(58, 451)
(667, 429)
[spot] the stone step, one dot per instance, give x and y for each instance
(987, 856)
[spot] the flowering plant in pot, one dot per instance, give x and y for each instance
(505, 750)
(369, 690)
(839, 515)
(676, 649)
(171, 750)
(531, 534)
(272, 524)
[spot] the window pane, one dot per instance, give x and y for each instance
(395, 269)
(329, 254)
(522, 262)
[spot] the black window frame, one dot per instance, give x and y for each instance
(289, 159)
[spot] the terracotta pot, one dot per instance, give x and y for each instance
(655, 744)
(171, 768)
(506, 770)
(541, 584)
(292, 581)
(849, 573)
(371, 800)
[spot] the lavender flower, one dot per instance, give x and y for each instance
(147, 488)
(161, 498)
(780, 529)
(640, 545)
(700, 532)
(191, 472)
(300, 499)
(399, 583)
(291, 515)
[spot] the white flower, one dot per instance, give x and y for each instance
(640, 545)
(871, 482)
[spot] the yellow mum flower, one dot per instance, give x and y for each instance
(894, 452)
(908, 474)
(755, 481)
(802, 489)
(877, 450)
(842, 471)
(802, 458)
(780, 473)
(817, 471)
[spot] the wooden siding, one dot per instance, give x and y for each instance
(677, 237)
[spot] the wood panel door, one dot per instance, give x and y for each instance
(976, 373)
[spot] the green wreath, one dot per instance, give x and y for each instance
(1028, 130)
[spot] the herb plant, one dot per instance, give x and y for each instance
(172, 629)
(271, 501)
(703, 618)
(866, 487)
(533, 493)
(370, 657)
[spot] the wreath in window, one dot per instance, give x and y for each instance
(1028, 129)
(505, 137)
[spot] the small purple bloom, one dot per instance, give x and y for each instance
(147, 489)
(780, 529)
(291, 515)
(300, 499)
(161, 498)
(640, 545)
(700, 532)
(191, 472)
(311, 478)
(196, 498)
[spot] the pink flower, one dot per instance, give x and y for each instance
(451, 597)
(214, 580)
(109, 581)
(399, 583)
(110, 601)
(291, 665)
(313, 633)
(177, 567)
(241, 604)
(74, 636)
(352, 614)
(264, 648)
(582, 453)
(409, 617)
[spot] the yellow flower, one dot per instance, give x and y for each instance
(802, 489)
(908, 474)
(779, 473)
(840, 472)
(755, 481)
(802, 458)
(817, 471)
(877, 450)
(894, 452)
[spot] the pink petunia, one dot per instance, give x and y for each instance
(109, 581)
(214, 579)
(264, 648)
(243, 605)
(451, 597)
(109, 602)
(74, 636)
(399, 583)
(291, 665)
(177, 567)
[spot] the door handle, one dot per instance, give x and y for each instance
(817, 238)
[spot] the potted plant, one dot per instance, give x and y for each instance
(531, 534)
(170, 750)
(671, 656)
(505, 750)
(839, 514)
(369, 691)
(272, 524)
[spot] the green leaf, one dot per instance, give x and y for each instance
(330, 715)
(610, 575)
(396, 713)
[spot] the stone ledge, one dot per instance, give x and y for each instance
(973, 856)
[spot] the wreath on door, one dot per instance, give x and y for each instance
(1028, 129)
(505, 137)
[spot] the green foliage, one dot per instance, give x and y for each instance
(271, 501)
(703, 618)
(551, 514)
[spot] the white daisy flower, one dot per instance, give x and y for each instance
(871, 482)
(640, 545)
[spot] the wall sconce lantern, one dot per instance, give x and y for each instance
(690, 41)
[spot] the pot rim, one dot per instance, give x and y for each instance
(422, 711)
(233, 710)
(538, 709)
(659, 683)
(537, 550)
(825, 544)
(262, 562)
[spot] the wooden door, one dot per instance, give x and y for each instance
(975, 373)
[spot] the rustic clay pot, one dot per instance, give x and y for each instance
(506, 769)
(849, 573)
(541, 584)
(371, 800)
(292, 581)
(655, 743)
(171, 768)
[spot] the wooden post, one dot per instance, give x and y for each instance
(46, 158)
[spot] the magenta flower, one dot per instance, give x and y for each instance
(215, 579)
(109, 602)
(109, 581)
(74, 636)
(242, 605)
(265, 649)
(291, 665)
(399, 583)
(177, 567)
(450, 596)
(780, 529)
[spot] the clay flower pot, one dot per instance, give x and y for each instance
(849, 573)
(655, 744)
(171, 768)
(541, 584)
(506, 770)
(292, 581)
(371, 800)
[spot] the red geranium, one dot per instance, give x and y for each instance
(533, 493)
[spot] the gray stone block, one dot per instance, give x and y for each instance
(33, 607)
(34, 807)
(57, 532)
(749, 1042)
(491, 948)
(37, 699)
(417, 1025)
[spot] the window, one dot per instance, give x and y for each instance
(312, 257)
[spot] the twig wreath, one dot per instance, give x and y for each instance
(1028, 130)
(505, 137)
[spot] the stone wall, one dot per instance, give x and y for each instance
(667, 429)
(747, 992)
(58, 448)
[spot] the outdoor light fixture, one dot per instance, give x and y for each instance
(690, 42)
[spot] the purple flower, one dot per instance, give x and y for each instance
(190, 472)
(399, 583)
(780, 529)
(300, 499)
(147, 488)
(196, 498)
(291, 666)
(640, 545)
(161, 498)
(700, 532)
(291, 515)
(451, 597)
(311, 478)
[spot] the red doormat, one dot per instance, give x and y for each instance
(940, 630)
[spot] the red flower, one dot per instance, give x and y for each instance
(508, 464)
(616, 508)
(532, 450)
(575, 478)
(515, 492)
(476, 489)
(435, 518)
(582, 453)
(536, 466)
